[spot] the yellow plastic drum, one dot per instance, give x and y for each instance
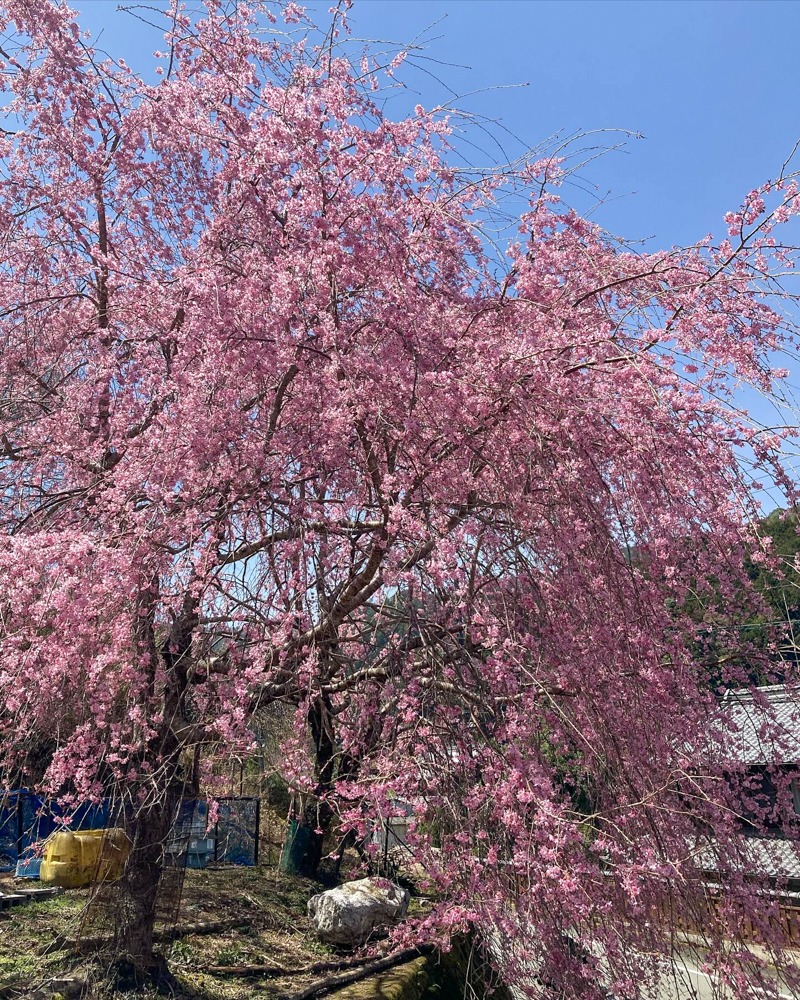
(75, 859)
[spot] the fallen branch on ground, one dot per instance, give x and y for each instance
(63, 943)
(201, 927)
(279, 970)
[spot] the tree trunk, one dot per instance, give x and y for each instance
(318, 814)
(152, 817)
(140, 884)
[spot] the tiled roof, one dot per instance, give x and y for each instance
(773, 857)
(764, 725)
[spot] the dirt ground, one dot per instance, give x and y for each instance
(274, 931)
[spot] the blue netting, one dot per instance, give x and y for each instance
(191, 819)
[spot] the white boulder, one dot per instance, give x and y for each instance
(349, 913)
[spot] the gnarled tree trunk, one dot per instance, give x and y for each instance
(139, 886)
(318, 813)
(154, 814)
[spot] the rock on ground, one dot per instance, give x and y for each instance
(348, 914)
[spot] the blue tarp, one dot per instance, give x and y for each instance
(29, 863)
(9, 830)
(36, 821)
(26, 819)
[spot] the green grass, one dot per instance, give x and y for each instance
(232, 955)
(275, 932)
(14, 968)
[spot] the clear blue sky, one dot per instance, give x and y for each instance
(714, 87)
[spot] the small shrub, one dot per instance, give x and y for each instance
(182, 953)
(232, 954)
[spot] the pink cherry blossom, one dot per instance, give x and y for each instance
(276, 430)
